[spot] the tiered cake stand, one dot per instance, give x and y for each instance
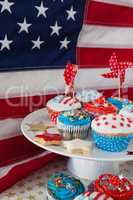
(86, 167)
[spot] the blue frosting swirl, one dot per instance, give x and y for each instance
(74, 118)
(62, 186)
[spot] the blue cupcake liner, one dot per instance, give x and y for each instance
(111, 143)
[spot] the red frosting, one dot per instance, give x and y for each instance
(50, 137)
(100, 106)
(118, 188)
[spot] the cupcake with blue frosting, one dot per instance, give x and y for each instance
(74, 124)
(119, 103)
(112, 132)
(127, 111)
(61, 186)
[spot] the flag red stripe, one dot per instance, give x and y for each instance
(109, 14)
(22, 170)
(99, 57)
(19, 107)
(11, 151)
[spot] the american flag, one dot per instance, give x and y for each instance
(39, 34)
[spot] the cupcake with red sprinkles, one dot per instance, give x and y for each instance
(118, 187)
(112, 132)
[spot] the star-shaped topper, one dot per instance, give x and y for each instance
(39, 127)
(118, 69)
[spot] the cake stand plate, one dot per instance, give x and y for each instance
(86, 167)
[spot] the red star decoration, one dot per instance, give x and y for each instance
(118, 69)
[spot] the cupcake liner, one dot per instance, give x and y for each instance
(73, 132)
(111, 143)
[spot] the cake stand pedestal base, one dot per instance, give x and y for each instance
(87, 169)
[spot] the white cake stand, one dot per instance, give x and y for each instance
(86, 167)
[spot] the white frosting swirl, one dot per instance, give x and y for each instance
(127, 111)
(112, 124)
(88, 95)
(61, 103)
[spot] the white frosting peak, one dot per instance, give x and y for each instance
(61, 103)
(112, 124)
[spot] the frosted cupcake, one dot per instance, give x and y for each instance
(93, 196)
(61, 186)
(118, 187)
(74, 124)
(59, 104)
(100, 107)
(112, 132)
(119, 103)
(127, 111)
(86, 96)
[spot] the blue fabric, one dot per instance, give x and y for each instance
(20, 55)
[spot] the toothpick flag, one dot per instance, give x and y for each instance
(70, 73)
(118, 69)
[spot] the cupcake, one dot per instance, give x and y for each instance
(74, 124)
(127, 111)
(59, 104)
(61, 186)
(112, 132)
(93, 196)
(100, 107)
(119, 103)
(118, 187)
(86, 96)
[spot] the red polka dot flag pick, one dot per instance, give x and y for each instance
(70, 74)
(118, 69)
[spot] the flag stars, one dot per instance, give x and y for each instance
(24, 26)
(37, 43)
(6, 6)
(55, 29)
(5, 44)
(64, 43)
(71, 14)
(41, 10)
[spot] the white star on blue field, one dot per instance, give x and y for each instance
(39, 34)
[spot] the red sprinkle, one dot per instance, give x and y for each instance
(106, 123)
(98, 124)
(128, 125)
(113, 126)
(121, 124)
(122, 119)
(114, 118)
(104, 118)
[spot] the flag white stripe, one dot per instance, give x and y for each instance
(128, 3)
(5, 170)
(105, 37)
(9, 128)
(42, 84)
